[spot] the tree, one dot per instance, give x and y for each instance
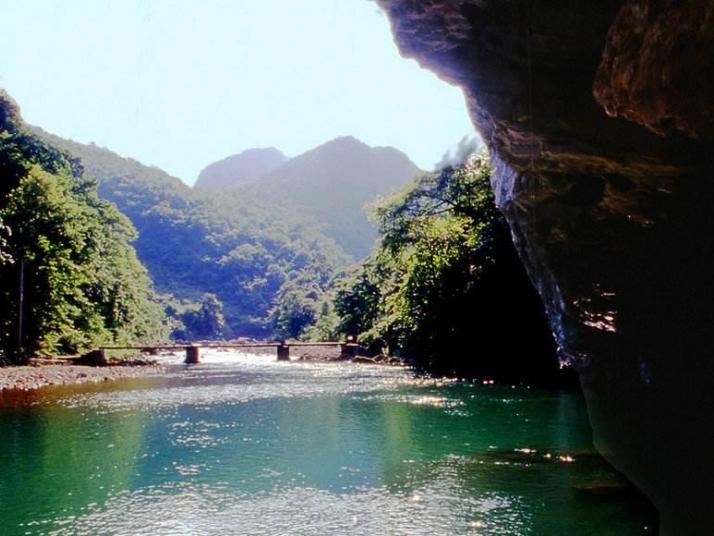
(446, 283)
(295, 311)
(206, 322)
(5, 256)
(83, 283)
(356, 301)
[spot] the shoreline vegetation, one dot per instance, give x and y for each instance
(70, 278)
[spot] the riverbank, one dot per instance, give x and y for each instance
(35, 376)
(48, 372)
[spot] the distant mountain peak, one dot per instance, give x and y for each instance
(342, 143)
(333, 182)
(240, 169)
(345, 140)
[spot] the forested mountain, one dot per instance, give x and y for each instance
(333, 183)
(259, 256)
(239, 169)
(82, 283)
(229, 259)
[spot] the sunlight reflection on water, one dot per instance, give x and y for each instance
(199, 510)
(244, 444)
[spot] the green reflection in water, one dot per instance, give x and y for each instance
(307, 449)
(58, 461)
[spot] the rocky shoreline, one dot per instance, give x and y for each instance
(37, 375)
(48, 372)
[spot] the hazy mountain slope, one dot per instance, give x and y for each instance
(133, 186)
(240, 247)
(333, 182)
(240, 168)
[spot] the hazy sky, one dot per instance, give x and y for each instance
(182, 83)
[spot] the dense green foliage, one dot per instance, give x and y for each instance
(446, 274)
(437, 239)
(83, 284)
(250, 252)
(204, 322)
(5, 256)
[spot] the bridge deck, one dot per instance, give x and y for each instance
(193, 350)
(222, 345)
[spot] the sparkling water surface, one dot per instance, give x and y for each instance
(243, 444)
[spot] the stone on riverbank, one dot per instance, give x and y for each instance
(29, 377)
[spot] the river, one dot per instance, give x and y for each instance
(243, 444)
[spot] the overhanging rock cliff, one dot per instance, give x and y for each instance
(600, 120)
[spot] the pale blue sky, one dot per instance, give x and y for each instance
(182, 83)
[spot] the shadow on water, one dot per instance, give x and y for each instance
(267, 448)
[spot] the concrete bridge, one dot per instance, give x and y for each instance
(193, 351)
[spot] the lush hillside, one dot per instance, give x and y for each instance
(82, 282)
(255, 260)
(133, 186)
(239, 169)
(446, 284)
(334, 182)
(226, 258)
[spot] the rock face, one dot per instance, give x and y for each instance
(599, 118)
(670, 50)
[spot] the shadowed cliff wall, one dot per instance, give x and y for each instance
(599, 118)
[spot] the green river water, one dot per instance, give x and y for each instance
(243, 444)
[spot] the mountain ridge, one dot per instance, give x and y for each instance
(332, 183)
(335, 181)
(237, 169)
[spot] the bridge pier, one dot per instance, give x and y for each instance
(283, 352)
(95, 358)
(349, 350)
(193, 355)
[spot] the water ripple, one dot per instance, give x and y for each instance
(434, 509)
